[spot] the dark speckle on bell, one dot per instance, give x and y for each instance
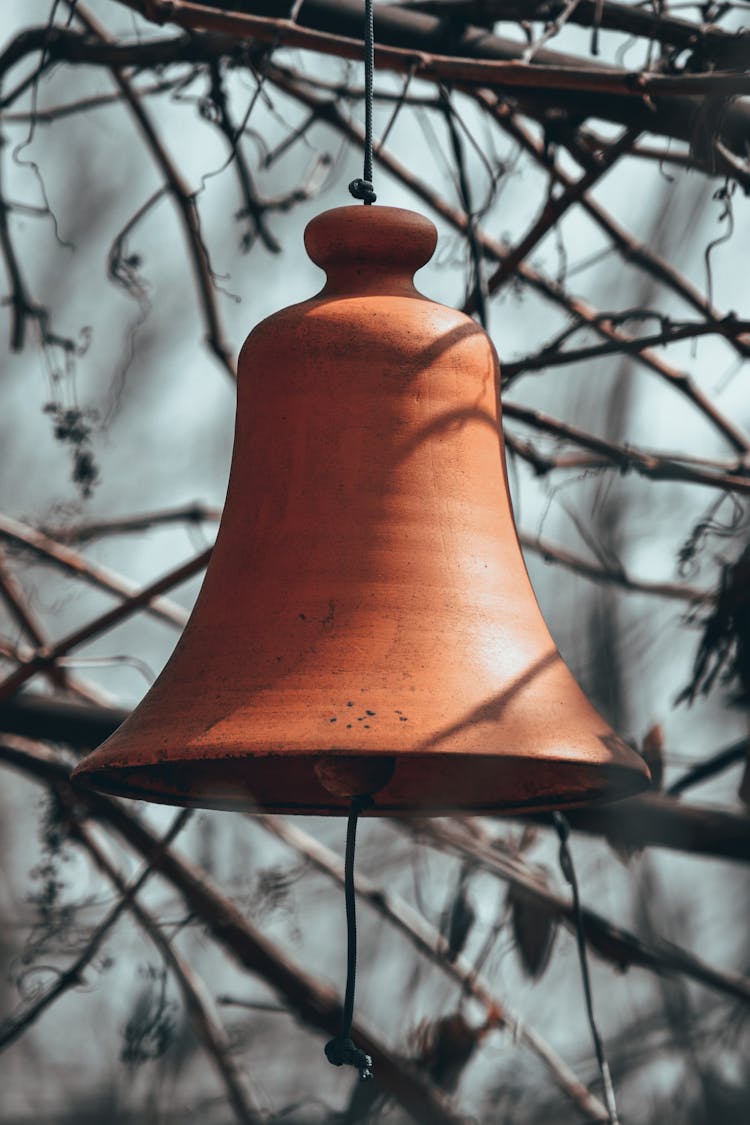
(350, 703)
(369, 712)
(367, 726)
(302, 617)
(398, 712)
(402, 718)
(333, 720)
(348, 726)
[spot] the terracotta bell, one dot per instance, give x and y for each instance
(366, 624)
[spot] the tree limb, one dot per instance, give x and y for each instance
(184, 199)
(43, 658)
(12, 1028)
(198, 1001)
(608, 941)
(665, 823)
(315, 1004)
(330, 111)
(433, 945)
(102, 578)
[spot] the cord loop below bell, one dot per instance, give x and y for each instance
(362, 189)
(341, 1051)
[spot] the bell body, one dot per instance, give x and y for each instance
(366, 624)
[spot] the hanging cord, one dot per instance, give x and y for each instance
(568, 870)
(363, 189)
(341, 1051)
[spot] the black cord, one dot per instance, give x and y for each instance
(351, 918)
(363, 189)
(341, 1051)
(568, 870)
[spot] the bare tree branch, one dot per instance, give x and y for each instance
(427, 64)
(654, 465)
(330, 112)
(184, 199)
(43, 658)
(58, 555)
(631, 250)
(611, 942)
(554, 209)
(670, 334)
(315, 1004)
(658, 817)
(564, 78)
(561, 556)
(190, 514)
(665, 822)
(707, 39)
(11, 593)
(434, 946)
(11, 1029)
(198, 1000)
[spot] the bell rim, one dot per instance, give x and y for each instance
(576, 784)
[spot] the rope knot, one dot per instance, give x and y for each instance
(363, 189)
(341, 1051)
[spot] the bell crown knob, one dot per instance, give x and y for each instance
(370, 247)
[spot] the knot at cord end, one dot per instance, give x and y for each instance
(342, 1052)
(362, 189)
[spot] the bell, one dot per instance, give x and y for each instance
(366, 627)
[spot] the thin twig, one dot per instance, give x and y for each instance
(252, 206)
(560, 85)
(722, 164)
(632, 251)
(553, 28)
(657, 24)
(11, 592)
(479, 289)
(553, 553)
(101, 577)
(512, 74)
(569, 872)
(180, 193)
(191, 514)
(729, 328)
(613, 943)
(79, 689)
(656, 466)
(83, 105)
(198, 1000)
(553, 210)
(704, 771)
(23, 307)
(130, 605)
(72, 977)
(433, 945)
(314, 1003)
(331, 112)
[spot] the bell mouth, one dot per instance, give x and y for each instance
(414, 784)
